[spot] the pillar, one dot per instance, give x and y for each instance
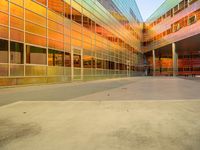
(154, 62)
(175, 59)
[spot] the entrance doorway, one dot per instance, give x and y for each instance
(77, 63)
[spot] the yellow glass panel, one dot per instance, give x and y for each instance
(55, 17)
(4, 5)
(35, 7)
(16, 10)
(19, 2)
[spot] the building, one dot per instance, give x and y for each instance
(172, 39)
(45, 41)
(64, 40)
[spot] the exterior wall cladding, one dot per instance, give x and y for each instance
(45, 41)
(171, 40)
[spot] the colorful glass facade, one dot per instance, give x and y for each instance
(171, 39)
(56, 40)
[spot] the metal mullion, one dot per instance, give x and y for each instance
(64, 37)
(24, 13)
(47, 36)
(72, 54)
(9, 38)
(82, 43)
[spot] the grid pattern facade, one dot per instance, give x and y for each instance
(171, 38)
(66, 40)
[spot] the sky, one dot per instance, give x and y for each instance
(147, 7)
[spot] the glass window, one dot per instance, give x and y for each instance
(99, 63)
(87, 22)
(44, 2)
(87, 61)
(191, 20)
(4, 32)
(76, 16)
(36, 29)
(34, 39)
(39, 9)
(3, 51)
(55, 26)
(16, 53)
(19, 2)
(77, 60)
(67, 59)
(37, 19)
(16, 35)
(16, 10)
(4, 5)
(57, 6)
(55, 58)
(35, 55)
(67, 11)
(16, 23)
(4, 18)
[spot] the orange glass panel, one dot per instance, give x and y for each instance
(4, 18)
(56, 44)
(3, 32)
(55, 35)
(77, 35)
(67, 10)
(16, 35)
(37, 40)
(35, 18)
(55, 26)
(57, 6)
(30, 27)
(44, 2)
(76, 43)
(16, 22)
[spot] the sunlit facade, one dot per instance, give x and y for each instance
(64, 40)
(172, 39)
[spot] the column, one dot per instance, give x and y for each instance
(175, 59)
(154, 62)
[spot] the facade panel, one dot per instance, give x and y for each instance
(56, 40)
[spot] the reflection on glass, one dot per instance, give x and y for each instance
(55, 58)
(77, 60)
(35, 55)
(16, 53)
(67, 59)
(3, 51)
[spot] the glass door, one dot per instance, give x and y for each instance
(77, 64)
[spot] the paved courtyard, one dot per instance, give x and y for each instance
(119, 114)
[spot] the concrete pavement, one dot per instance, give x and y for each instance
(105, 125)
(119, 114)
(138, 88)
